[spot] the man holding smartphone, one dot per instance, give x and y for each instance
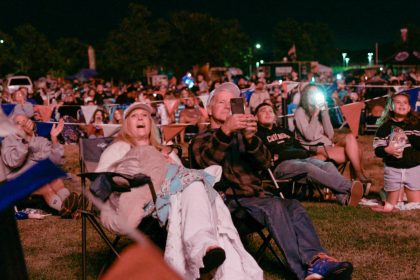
(231, 142)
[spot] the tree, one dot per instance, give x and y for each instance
(313, 40)
(7, 54)
(199, 39)
(34, 54)
(71, 55)
(132, 46)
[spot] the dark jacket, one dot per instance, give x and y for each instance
(282, 143)
(411, 154)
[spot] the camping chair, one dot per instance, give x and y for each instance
(90, 153)
(244, 222)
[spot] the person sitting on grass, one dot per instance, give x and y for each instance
(20, 151)
(291, 158)
(397, 142)
(231, 142)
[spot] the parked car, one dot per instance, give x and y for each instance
(13, 83)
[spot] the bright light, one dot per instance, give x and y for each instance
(344, 58)
(370, 55)
(318, 98)
(347, 59)
(257, 64)
(261, 61)
(339, 76)
(313, 80)
(280, 81)
(381, 69)
(258, 45)
(2, 41)
(188, 80)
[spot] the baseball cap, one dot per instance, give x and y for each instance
(229, 87)
(134, 106)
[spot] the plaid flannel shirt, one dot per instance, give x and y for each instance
(241, 161)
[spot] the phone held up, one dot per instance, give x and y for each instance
(237, 105)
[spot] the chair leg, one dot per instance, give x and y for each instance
(109, 258)
(266, 244)
(84, 255)
(101, 232)
(263, 246)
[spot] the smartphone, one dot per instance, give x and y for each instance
(237, 105)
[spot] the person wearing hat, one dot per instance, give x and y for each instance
(291, 158)
(202, 241)
(231, 142)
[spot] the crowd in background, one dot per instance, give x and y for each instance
(184, 100)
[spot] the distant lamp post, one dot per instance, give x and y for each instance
(1, 41)
(344, 58)
(347, 59)
(370, 56)
(257, 46)
(261, 61)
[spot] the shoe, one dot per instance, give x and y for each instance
(325, 267)
(356, 194)
(212, 260)
(70, 205)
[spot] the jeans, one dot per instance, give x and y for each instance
(290, 226)
(324, 173)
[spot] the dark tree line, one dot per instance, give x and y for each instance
(182, 40)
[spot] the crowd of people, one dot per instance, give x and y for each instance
(231, 150)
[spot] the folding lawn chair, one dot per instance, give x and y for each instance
(90, 153)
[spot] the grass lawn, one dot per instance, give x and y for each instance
(380, 246)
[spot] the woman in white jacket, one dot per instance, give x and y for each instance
(202, 240)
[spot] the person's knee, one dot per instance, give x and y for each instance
(350, 139)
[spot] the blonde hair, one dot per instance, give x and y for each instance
(126, 135)
(114, 121)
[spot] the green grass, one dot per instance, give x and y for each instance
(381, 246)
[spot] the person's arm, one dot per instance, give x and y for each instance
(380, 142)
(14, 151)
(309, 129)
(258, 153)
(326, 123)
(210, 147)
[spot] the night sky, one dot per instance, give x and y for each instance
(356, 24)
